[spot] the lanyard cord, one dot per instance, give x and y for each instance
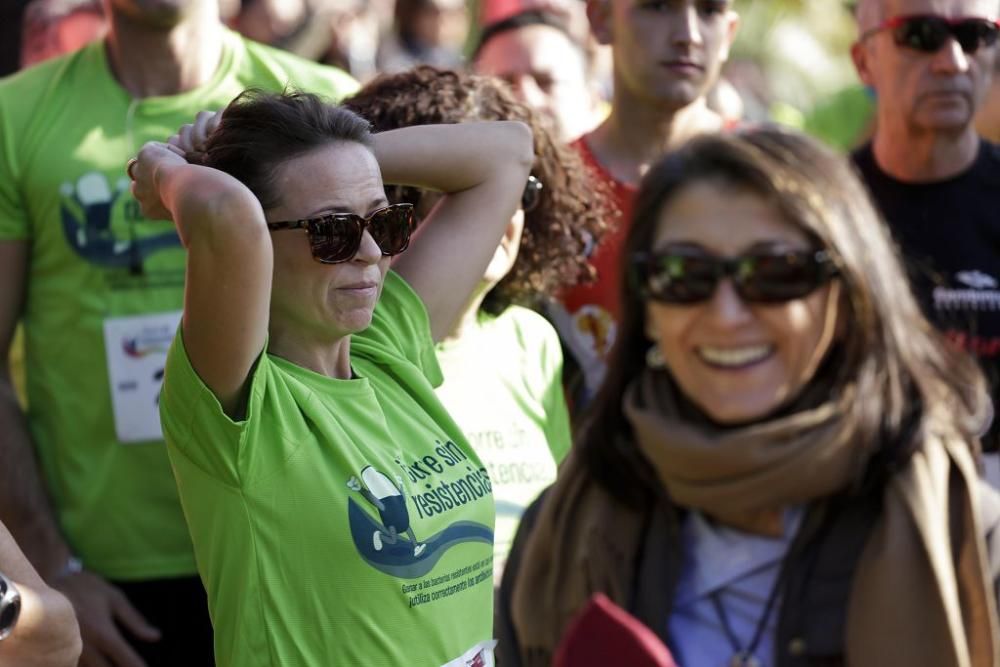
(744, 657)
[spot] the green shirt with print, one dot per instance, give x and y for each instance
(342, 522)
(104, 290)
(503, 385)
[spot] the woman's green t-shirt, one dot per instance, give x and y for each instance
(503, 384)
(342, 522)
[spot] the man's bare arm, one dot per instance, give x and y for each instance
(46, 634)
(25, 508)
(24, 504)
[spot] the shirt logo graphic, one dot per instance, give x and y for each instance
(389, 543)
(87, 209)
(976, 280)
(978, 292)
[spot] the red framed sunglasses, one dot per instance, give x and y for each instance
(927, 33)
(336, 237)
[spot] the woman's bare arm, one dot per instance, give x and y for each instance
(227, 290)
(482, 167)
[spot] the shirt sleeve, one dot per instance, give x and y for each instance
(193, 420)
(302, 74)
(14, 223)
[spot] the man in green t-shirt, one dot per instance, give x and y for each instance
(86, 486)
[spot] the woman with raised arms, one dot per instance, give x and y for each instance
(298, 405)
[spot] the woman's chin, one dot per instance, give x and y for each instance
(738, 411)
(354, 321)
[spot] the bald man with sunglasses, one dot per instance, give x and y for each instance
(936, 181)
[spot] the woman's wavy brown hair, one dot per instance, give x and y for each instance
(572, 213)
(904, 372)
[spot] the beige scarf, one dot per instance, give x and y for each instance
(922, 594)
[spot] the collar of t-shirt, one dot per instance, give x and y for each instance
(865, 159)
(717, 557)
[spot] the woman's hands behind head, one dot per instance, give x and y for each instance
(187, 146)
(168, 177)
(192, 137)
(151, 158)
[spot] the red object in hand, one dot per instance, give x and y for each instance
(605, 634)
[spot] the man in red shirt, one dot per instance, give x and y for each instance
(667, 57)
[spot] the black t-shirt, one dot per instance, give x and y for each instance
(949, 233)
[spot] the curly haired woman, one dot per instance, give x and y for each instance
(502, 362)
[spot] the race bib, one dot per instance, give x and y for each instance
(480, 655)
(136, 349)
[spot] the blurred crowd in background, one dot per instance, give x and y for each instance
(792, 64)
(788, 66)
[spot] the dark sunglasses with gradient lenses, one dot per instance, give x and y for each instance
(929, 32)
(336, 237)
(689, 277)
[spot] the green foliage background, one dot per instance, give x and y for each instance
(801, 47)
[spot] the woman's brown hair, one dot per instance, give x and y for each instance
(260, 130)
(572, 212)
(899, 365)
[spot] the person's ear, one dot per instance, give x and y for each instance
(860, 55)
(599, 14)
(511, 240)
(732, 28)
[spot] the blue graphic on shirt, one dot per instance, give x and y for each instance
(86, 209)
(382, 543)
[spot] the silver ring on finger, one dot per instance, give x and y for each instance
(128, 167)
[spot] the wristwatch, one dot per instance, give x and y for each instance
(10, 606)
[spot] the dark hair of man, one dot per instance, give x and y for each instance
(523, 20)
(405, 16)
(900, 367)
(571, 212)
(261, 130)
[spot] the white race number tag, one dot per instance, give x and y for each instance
(480, 655)
(136, 348)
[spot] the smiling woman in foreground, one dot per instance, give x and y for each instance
(780, 469)
(338, 515)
